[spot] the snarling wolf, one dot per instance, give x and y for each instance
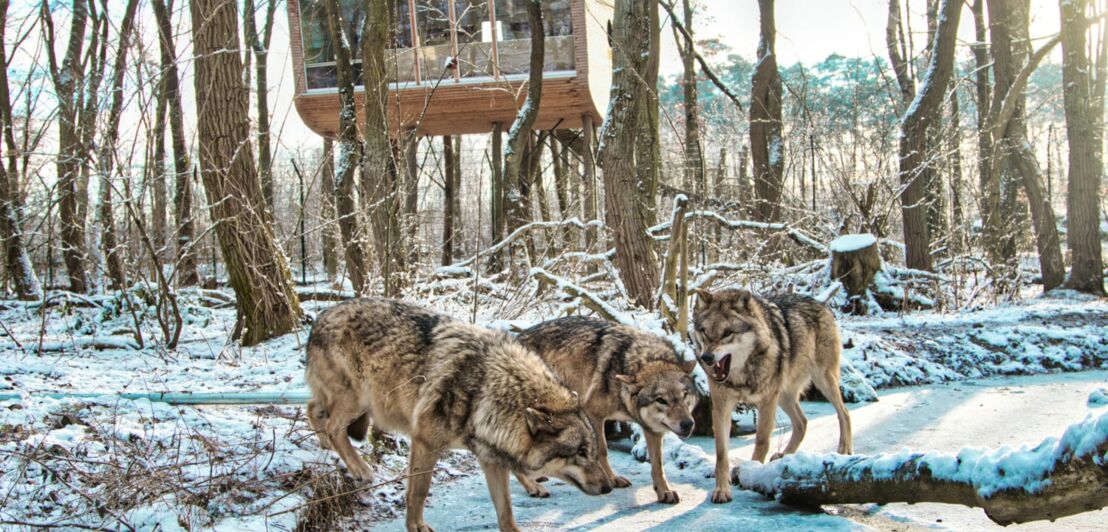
(446, 384)
(765, 351)
(623, 374)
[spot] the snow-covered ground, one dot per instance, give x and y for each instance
(988, 412)
(113, 463)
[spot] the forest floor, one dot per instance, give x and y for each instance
(1002, 375)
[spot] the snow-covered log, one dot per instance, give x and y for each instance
(1057, 478)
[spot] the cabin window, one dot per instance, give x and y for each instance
(442, 40)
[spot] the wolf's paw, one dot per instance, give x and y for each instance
(538, 491)
(668, 497)
(721, 495)
(845, 449)
(776, 456)
(422, 527)
(541, 479)
(621, 482)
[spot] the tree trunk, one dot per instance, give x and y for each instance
(954, 151)
(380, 178)
(496, 194)
(694, 158)
(259, 45)
(767, 146)
(68, 78)
(914, 163)
(266, 302)
(156, 171)
(1085, 152)
(182, 166)
(448, 193)
(648, 156)
(350, 156)
(855, 267)
(327, 212)
(516, 174)
(17, 263)
(626, 195)
(110, 244)
(411, 197)
(589, 202)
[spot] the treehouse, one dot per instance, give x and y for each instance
(461, 66)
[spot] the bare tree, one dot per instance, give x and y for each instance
(68, 77)
(1084, 106)
(914, 163)
(448, 194)
(259, 45)
(17, 263)
(331, 239)
(694, 158)
(266, 303)
(350, 154)
(626, 196)
(182, 165)
(381, 188)
(767, 146)
(106, 158)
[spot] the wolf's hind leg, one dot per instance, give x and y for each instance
(421, 467)
(602, 450)
(534, 489)
(827, 382)
(790, 403)
(338, 420)
(317, 416)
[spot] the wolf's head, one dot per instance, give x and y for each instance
(728, 328)
(663, 398)
(563, 445)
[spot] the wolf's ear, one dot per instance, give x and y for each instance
(538, 422)
(703, 298)
(688, 365)
(627, 381)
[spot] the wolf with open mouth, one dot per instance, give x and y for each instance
(765, 352)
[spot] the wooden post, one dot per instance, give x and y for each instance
(589, 178)
(497, 185)
(448, 201)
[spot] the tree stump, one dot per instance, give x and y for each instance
(854, 262)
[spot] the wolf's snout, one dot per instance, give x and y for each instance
(605, 489)
(687, 426)
(707, 357)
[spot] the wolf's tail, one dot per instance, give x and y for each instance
(359, 428)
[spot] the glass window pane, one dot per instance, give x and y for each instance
(400, 55)
(474, 38)
(319, 53)
(433, 21)
(515, 45)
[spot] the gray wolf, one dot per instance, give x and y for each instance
(446, 384)
(765, 351)
(624, 374)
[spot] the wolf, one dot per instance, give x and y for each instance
(446, 384)
(765, 351)
(624, 374)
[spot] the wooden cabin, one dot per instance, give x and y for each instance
(461, 66)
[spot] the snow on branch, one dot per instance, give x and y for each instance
(795, 234)
(571, 222)
(1056, 478)
(587, 298)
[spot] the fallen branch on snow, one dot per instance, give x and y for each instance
(1057, 478)
(572, 222)
(794, 234)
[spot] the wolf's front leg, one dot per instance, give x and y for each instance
(657, 473)
(602, 450)
(534, 489)
(767, 415)
(721, 427)
(497, 479)
(421, 467)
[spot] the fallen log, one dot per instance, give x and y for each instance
(1057, 478)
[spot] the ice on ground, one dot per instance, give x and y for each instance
(1098, 397)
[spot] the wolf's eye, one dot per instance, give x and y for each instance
(583, 451)
(661, 401)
